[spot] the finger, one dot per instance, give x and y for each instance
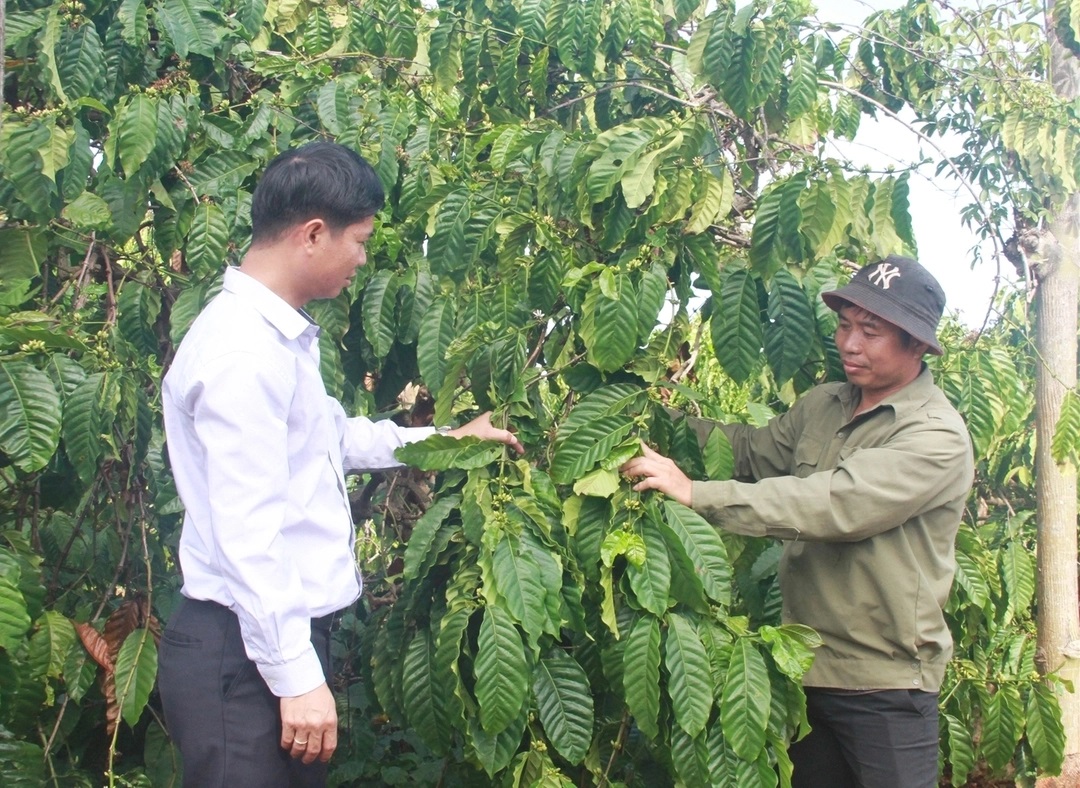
(646, 451)
(329, 744)
(299, 744)
(314, 747)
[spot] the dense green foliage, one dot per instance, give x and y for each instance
(562, 175)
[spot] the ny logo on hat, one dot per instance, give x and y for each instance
(883, 275)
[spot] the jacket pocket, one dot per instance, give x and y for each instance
(807, 457)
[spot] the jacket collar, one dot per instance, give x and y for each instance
(291, 323)
(911, 397)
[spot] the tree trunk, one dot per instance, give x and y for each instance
(1057, 259)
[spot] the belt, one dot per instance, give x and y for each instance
(323, 624)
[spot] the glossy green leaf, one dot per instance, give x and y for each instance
(446, 249)
(736, 326)
(136, 130)
(29, 415)
(703, 546)
(609, 326)
(592, 430)
(88, 211)
(565, 703)
(689, 677)
(1045, 730)
(641, 674)
(433, 341)
(1018, 570)
(207, 240)
(961, 752)
(441, 452)
(380, 310)
(1003, 720)
(190, 25)
(744, 706)
(790, 332)
(651, 579)
(502, 674)
(21, 253)
(713, 205)
(136, 671)
(14, 619)
(520, 583)
(423, 690)
(718, 456)
(89, 413)
(423, 534)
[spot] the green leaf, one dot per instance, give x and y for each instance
(136, 671)
(602, 482)
(137, 310)
(442, 452)
(609, 325)
(423, 534)
(502, 675)
(132, 14)
(495, 751)
(51, 643)
(641, 674)
(1018, 571)
(592, 430)
(423, 690)
(380, 304)
(690, 679)
(790, 333)
(961, 749)
(436, 334)
(135, 127)
(970, 577)
(704, 548)
(89, 413)
(221, 173)
(1003, 718)
(744, 706)
(80, 61)
(1045, 730)
(88, 211)
(520, 584)
(1065, 446)
(14, 619)
(651, 579)
(446, 250)
(207, 240)
(565, 703)
(22, 251)
(193, 26)
(736, 325)
(29, 415)
(714, 204)
(718, 455)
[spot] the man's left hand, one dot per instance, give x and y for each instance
(481, 427)
(658, 472)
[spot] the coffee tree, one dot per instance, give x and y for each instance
(568, 181)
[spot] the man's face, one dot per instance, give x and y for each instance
(342, 252)
(873, 353)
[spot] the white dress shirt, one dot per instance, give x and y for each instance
(259, 450)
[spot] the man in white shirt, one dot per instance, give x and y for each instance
(259, 452)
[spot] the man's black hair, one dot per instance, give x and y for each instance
(320, 180)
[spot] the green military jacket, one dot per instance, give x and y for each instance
(869, 508)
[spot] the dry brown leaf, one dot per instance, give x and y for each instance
(95, 645)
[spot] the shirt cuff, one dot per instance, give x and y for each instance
(295, 677)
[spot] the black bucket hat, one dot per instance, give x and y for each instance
(897, 289)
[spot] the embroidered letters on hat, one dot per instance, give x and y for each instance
(883, 275)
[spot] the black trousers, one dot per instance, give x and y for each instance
(219, 710)
(881, 739)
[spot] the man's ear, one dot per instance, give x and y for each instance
(311, 232)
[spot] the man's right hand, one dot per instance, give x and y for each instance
(309, 725)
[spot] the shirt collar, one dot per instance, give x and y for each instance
(290, 322)
(911, 397)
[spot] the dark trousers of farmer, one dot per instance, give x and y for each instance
(878, 739)
(219, 710)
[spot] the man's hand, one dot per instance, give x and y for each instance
(309, 725)
(481, 427)
(657, 472)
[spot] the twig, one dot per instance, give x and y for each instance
(616, 748)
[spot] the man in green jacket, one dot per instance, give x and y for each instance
(866, 482)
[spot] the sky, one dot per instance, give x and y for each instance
(945, 245)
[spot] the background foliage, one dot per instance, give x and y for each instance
(563, 176)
